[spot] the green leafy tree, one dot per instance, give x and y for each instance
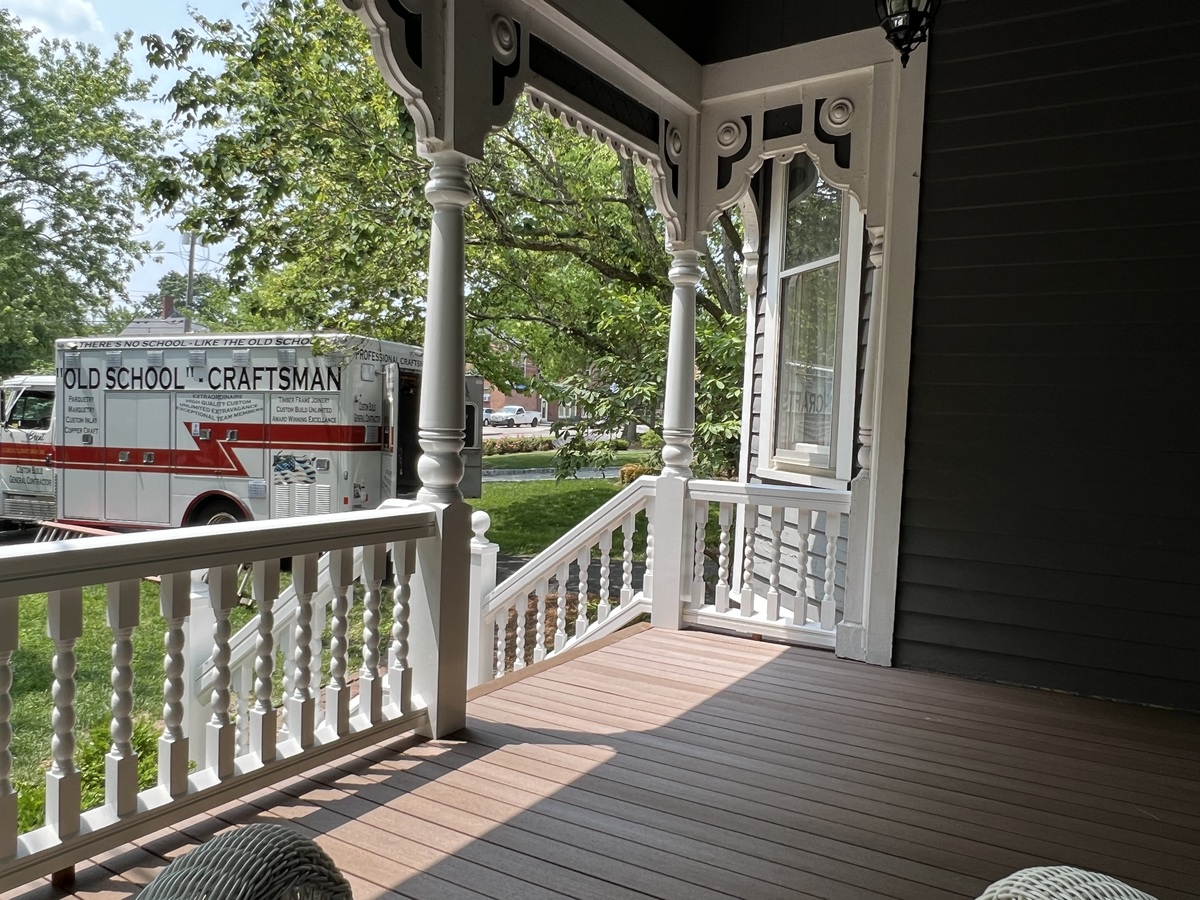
(73, 160)
(310, 172)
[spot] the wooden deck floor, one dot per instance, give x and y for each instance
(698, 766)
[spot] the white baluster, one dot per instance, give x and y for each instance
(9, 633)
(833, 523)
(522, 606)
(648, 578)
(175, 598)
(560, 623)
(120, 764)
(263, 718)
(700, 508)
(502, 639)
(627, 529)
(804, 529)
(286, 650)
(539, 643)
(404, 561)
(301, 708)
(337, 693)
(370, 687)
(64, 626)
(581, 595)
(747, 599)
(776, 546)
(604, 603)
(220, 734)
(721, 593)
(243, 687)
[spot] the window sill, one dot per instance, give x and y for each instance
(806, 479)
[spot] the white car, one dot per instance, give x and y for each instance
(512, 416)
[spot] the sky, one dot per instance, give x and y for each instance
(96, 22)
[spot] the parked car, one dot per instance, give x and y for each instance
(487, 416)
(512, 416)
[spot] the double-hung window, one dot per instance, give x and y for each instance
(814, 266)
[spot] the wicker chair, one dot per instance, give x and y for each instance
(1060, 883)
(256, 862)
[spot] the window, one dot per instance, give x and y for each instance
(816, 244)
(31, 411)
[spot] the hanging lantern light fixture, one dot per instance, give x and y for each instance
(907, 23)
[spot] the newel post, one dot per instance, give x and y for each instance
(672, 515)
(441, 583)
(483, 582)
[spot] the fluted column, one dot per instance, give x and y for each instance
(443, 375)
(679, 406)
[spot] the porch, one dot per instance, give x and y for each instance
(669, 764)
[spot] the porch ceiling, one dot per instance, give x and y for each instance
(673, 764)
(711, 31)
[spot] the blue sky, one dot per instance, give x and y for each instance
(95, 22)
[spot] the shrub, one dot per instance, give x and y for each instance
(633, 471)
(650, 440)
(505, 445)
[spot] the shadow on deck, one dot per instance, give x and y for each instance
(694, 765)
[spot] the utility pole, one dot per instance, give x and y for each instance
(191, 271)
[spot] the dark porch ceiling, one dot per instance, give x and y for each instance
(712, 31)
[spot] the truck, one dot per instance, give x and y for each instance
(141, 431)
(512, 416)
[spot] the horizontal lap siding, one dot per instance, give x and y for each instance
(1049, 530)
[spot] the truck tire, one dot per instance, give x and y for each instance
(217, 512)
(534, 422)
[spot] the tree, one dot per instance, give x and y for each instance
(310, 171)
(73, 160)
(210, 305)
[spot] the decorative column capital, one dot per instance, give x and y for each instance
(685, 268)
(449, 184)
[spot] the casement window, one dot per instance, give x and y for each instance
(814, 271)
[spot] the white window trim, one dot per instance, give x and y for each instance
(769, 467)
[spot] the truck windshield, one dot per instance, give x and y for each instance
(31, 410)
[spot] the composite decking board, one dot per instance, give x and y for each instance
(711, 849)
(885, 760)
(589, 784)
(1020, 709)
(763, 764)
(494, 861)
(842, 720)
(1003, 706)
(1000, 841)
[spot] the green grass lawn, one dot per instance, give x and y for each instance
(544, 459)
(528, 516)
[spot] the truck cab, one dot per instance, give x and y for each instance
(27, 479)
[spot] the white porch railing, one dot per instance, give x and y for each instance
(587, 584)
(513, 619)
(387, 692)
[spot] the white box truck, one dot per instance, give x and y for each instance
(162, 430)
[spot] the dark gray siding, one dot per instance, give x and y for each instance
(1049, 530)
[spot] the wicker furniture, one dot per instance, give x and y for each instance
(1060, 883)
(257, 862)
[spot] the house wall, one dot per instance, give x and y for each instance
(1049, 527)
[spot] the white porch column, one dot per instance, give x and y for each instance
(439, 613)
(672, 513)
(679, 405)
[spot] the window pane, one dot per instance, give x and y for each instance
(814, 216)
(808, 354)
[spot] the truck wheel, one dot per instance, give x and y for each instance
(217, 512)
(534, 422)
